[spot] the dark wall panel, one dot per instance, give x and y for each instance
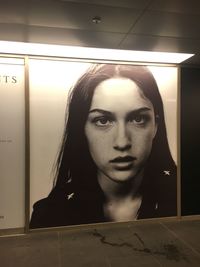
(190, 140)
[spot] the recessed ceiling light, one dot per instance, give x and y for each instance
(91, 53)
(96, 19)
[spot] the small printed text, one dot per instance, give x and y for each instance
(8, 79)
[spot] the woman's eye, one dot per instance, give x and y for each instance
(102, 121)
(138, 119)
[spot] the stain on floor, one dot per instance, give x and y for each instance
(170, 251)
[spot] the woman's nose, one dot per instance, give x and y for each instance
(122, 140)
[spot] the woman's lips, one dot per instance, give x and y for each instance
(123, 163)
(122, 159)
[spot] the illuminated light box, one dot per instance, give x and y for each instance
(37, 49)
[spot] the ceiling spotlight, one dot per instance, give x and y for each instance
(96, 19)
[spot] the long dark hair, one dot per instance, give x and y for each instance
(74, 162)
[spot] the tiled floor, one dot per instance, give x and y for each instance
(174, 243)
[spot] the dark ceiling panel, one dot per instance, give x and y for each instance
(13, 32)
(79, 16)
(73, 37)
(114, 3)
(178, 6)
(164, 44)
(12, 13)
(168, 24)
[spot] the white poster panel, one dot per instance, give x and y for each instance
(12, 143)
(84, 200)
(49, 85)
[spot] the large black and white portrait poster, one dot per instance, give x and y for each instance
(12, 143)
(103, 142)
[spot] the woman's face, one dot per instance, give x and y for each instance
(120, 129)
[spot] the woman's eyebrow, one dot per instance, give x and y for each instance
(139, 110)
(105, 112)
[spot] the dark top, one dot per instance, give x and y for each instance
(65, 206)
